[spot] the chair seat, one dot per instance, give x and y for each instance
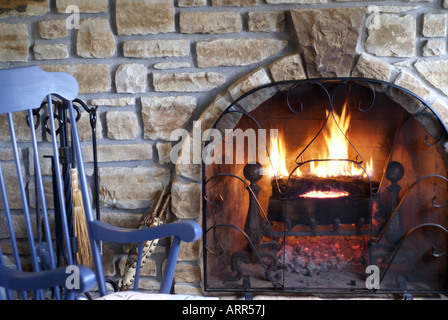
(133, 295)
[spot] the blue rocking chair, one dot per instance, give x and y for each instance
(37, 271)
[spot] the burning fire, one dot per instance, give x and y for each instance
(278, 156)
(325, 194)
(337, 149)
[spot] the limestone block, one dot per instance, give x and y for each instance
(182, 288)
(131, 188)
(163, 115)
(48, 190)
(6, 154)
(85, 6)
(50, 51)
(121, 125)
(114, 102)
(22, 130)
(228, 121)
(156, 48)
(92, 78)
(236, 52)
(413, 84)
(121, 219)
(188, 165)
(189, 251)
(288, 68)
(189, 170)
(186, 199)
(23, 8)
(434, 25)
(149, 284)
(210, 22)
(433, 48)
(389, 9)
(191, 3)
(266, 21)
(12, 185)
(131, 78)
(434, 71)
(432, 125)
(251, 81)
(234, 3)
(163, 150)
(391, 35)
(329, 47)
(144, 16)
(187, 273)
(171, 65)
(370, 67)
(52, 29)
(18, 221)
(188, 160)
(118, 153)
(441, 108)
(14, 42)
(95, 39)
(295, 1)
(187, 81)
(108, 256)
(45, 163)
(85, 128)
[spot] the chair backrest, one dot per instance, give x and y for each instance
(35, 170)
(28, 178)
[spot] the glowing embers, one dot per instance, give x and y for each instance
(308, 255)
(324, 194)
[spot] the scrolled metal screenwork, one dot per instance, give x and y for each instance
(312, 231)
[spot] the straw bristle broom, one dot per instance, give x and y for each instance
(84, 254)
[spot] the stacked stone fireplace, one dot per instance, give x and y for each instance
(149, 77)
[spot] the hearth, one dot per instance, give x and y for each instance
(342, 189)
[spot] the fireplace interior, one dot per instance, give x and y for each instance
(344, 192)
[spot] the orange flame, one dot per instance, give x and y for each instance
(337, 149)
(278, 156)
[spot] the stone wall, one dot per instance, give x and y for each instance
(153, 66)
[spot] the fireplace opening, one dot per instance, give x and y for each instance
(325, 186)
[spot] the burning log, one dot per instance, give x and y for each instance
(320, 201)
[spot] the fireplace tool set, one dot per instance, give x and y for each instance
(78, 234)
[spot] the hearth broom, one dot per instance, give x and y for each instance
(84, 254)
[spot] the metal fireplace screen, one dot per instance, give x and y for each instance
(326, 186)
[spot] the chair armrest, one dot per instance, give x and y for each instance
(22, 280)
(187, 231)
